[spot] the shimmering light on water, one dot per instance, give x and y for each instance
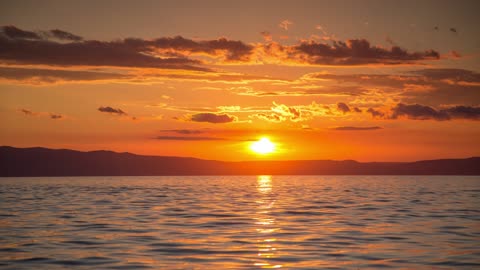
(243, 222)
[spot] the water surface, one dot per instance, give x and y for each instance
(244, 222)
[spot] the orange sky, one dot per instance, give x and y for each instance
(377, 81)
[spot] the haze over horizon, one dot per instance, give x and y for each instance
(304, 80)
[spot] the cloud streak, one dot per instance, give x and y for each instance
(108, 109)
(359, 52)
(61, 48)
(53, 116)
(422, 112)
(27, 47)
(350, 128)
(48, 76)
(186, 138)
(213, 118)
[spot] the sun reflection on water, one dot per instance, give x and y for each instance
(266, 223)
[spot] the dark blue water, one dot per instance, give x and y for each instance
(290, 222)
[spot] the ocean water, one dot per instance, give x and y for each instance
(240, 222)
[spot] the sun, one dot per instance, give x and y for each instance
(263, 146)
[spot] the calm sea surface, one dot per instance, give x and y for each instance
(244, 222)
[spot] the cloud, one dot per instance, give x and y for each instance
(375, 113)
(343, 107)
(13, 32)
(87, 53)
(357, 110)
(281, 112)
(358, 52)
(63, 35)
(418, 112)
(422, 112)
(60, 48)
(285, 24)
(184, 131)
(272, 117)
(111, 110)
(348, 128)
(55, 116)
(47, 76)
(25, 47)
(459, 75)
(185, 138)
(432, 87)
(213, 118)
(291, 112)
(28, 112)
(464, 112)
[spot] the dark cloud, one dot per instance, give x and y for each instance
(359, 52)
(184, 131)
(56, 116)
(453, 30)
(53, 116)
(111, 110)
(63, 35)
(34, 75)
(375, 113)
(422, 112)
(86, 53)
(343, 107)
(213, 118)
(24, 47)
(13, 32)
(418, 112)
(357, 110)
(28, 112)
(464, 112)
(60, 48)
(186, 138)
(449, 74)
(356, 128)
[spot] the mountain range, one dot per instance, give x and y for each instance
(61, 162)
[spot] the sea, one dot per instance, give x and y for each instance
(240, 222)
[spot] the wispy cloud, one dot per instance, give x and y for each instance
(61, 48)
(422, 112)
(53, 116)
(285, 24)
(110, 110)
(213, 118)
(350, 128)
(187, 138)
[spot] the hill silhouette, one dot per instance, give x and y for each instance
(61, 162)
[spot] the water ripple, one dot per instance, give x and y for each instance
(291, 222)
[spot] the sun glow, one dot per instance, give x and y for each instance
(263, 146)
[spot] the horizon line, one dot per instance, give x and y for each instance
(228, 161)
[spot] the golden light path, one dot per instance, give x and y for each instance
(263, 146)
(266, 224)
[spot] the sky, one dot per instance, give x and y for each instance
(361, 80)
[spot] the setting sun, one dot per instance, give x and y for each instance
(263, 146)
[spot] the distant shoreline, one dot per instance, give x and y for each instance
(31, 162)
